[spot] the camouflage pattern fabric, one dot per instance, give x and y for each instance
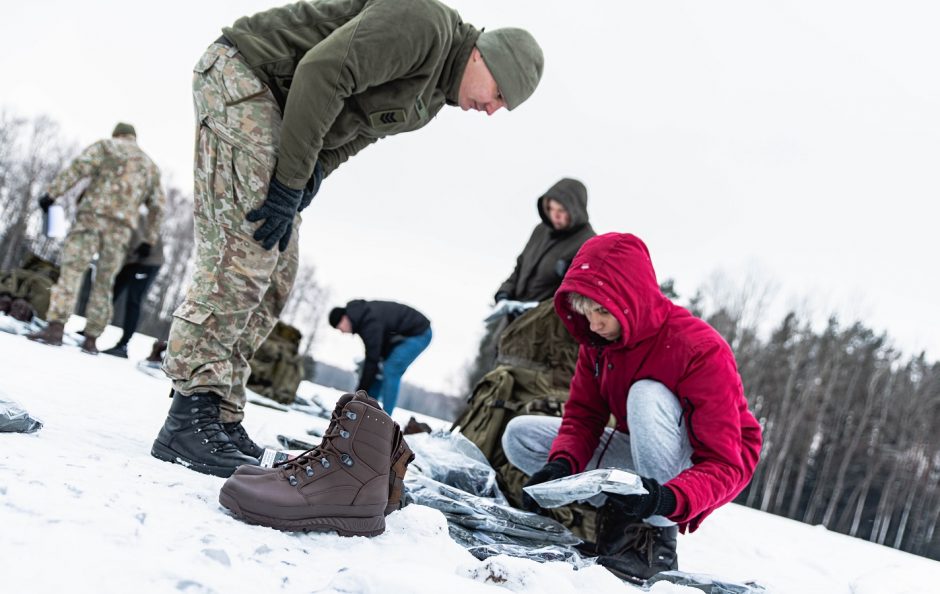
(238, 288)
(122, 178)
(89, 235)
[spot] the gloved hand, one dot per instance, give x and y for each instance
(143, 250)
(659, 501)
(555, 469)
(312, 187)
(500, 296)
(45, 201)
(278, 211)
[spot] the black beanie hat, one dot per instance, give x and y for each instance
(336, 314)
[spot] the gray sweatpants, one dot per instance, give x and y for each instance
(658, 446)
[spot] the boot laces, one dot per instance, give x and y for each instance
(206, 421)
(318, 454)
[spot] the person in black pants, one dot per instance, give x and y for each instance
(136, 276)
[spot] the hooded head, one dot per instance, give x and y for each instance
(515, 60)
(614, 270)
(571, 194)
(123, 129)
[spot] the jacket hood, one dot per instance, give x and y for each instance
(614, 270)
(573, 196)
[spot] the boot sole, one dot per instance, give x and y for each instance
(372, 526)
(44, 341)
(162, 452)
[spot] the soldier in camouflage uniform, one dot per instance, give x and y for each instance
(122, 179)
(282, 99)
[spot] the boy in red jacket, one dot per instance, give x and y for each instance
(671, 383)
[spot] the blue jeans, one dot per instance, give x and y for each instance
(385, 388)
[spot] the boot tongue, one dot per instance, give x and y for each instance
(363, 396)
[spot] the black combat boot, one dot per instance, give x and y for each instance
(193, 436)
(637, 551)
(236, 432)
(118, 350)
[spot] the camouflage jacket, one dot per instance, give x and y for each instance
(348, 72)
(122, 178)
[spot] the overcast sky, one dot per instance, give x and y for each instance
(796, 142)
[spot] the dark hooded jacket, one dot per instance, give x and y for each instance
(545, 259)
(381, 325)
(663, 342)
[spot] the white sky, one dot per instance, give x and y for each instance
(799, 139)
(84, 508)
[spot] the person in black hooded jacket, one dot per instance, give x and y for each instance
(393, 334)
(552, 245)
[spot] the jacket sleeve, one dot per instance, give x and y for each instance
(156, 204)
(710, 392)
(86, 164)
(584, 419)
(371, 331)
(509, 285)
(331, 159)
(367, 51)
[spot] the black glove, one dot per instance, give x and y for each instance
(312, 187)
(501, 296)
(556, 469)
(143, 250)
(45, 201)
(278, 211)
(660, 501)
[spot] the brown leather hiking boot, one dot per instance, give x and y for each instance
(341, 485)
(90, 345)
(157, 352)
(51, 334)
(401, 456)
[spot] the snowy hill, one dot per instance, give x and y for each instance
(85, 508)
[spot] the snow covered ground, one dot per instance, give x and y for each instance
(85, 508)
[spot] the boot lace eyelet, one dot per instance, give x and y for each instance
(309, 471)
(324, 462)
(347, 459)
(344, 434)
(350, 415)
(292, 480)
(205, 441)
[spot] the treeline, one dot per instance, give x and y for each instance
(851, 436)
(32, 151)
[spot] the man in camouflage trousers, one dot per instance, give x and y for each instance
(282, 99)
(123, 178)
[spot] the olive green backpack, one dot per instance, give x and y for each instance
(276, 367)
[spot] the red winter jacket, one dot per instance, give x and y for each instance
(663, 342)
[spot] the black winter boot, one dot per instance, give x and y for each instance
(193, 436)
(639, 551)
(118, 350)
(236, 432)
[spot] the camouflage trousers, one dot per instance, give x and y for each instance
(88, 236)
(238, 288)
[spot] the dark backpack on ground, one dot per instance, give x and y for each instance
(537, 359)
(276, 367)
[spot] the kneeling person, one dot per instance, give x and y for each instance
(671, 383)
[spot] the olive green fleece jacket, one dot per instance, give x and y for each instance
(349, 72)
(548, 253)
